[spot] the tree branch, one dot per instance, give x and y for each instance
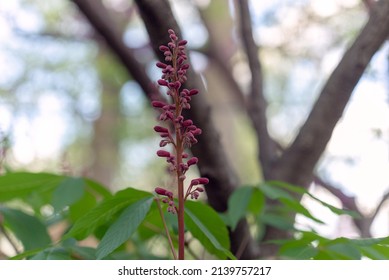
(349, 203)
(380, 205)
(100, 19)
(256, 103)
(297, 163)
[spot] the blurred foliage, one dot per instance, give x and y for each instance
(126, 225)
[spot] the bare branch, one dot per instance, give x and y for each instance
(365, 221)
(100, 19)
(379, 206)
(256, 104)
(347, 201)
(297, 163)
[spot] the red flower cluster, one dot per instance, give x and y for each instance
(182, 134)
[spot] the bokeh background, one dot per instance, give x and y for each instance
(67, 105)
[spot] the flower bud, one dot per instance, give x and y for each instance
(158, 128)
(160, 191)
(162, 153)
(194, 182)
(162, 82)
(161, 65)
(192, 161)
(193, 92)
(157, 104)
(197, 131)
(187, 123)
(163, 48)
(203, 181)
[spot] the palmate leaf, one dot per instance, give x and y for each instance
(207, 227)
(104, 212)
(121, 230)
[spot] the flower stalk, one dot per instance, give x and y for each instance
(180, 133)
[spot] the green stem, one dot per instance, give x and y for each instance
(166, 229)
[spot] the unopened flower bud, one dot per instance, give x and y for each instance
(169, 194)
(187, 122)
(203, 181)
(162, 82)
(192, 161)
(163, 48)
(193, 92)
(160, 191)
(197, 131)
(194, 195)
(161, 65)
(162, 153)
(157, 104)
(194, 182)
(158, 128)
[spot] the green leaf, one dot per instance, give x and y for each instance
(278, 221)
(104, 212)
(23, 184)
(376, 252)
(257, 202)
(124, 226)
(79, 208)
(367, 241)
(299, 208)
(238, 203)
(26, 254)
(345, 251)
(206, 225)
(68, 192)
(52, 254)
(28, 229)
(302, 191)
(298, 251)
(334, 209)
(152, 224)
(274, 192)
(97, 189)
